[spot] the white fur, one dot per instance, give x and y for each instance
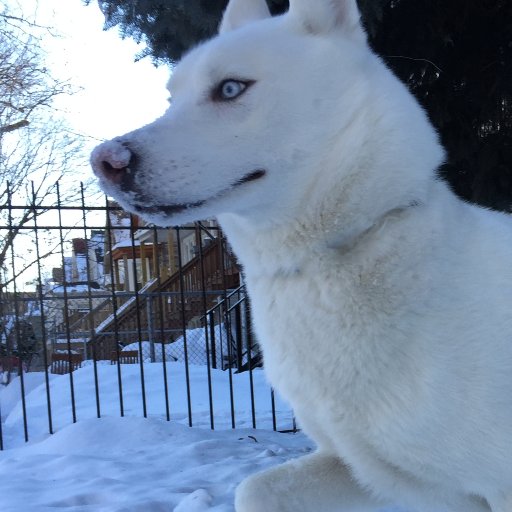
(382, 302)
(240, 12)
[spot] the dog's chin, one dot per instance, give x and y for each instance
(176, 213)
(171, 215)
(168, 210)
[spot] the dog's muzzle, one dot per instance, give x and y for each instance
(115, 164)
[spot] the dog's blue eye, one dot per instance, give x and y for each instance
(229, 90)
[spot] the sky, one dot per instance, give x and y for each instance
(114, 93)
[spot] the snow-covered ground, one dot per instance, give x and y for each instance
(133, 463)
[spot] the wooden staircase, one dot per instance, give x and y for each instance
(162, 308)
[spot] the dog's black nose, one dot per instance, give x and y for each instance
(111, 161)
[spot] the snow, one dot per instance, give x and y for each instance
(126, 242)
(196, 347)
(75, 288)
(137, 464)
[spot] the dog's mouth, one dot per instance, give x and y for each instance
(173, 209)
(253, 176)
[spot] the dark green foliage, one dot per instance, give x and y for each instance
(455, 56)
(463, 78)
(168, 27)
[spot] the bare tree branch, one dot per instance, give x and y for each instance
(35, 146)
(14, 126)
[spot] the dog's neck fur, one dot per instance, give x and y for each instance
(340, 219)
(305, 239)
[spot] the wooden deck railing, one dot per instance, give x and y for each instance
(157, 309)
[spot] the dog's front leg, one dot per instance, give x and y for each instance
(317, 482)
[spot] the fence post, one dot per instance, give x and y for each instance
(239, 338)
(151, 328)
(213, 350)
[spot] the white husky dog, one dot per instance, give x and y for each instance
(383, 303)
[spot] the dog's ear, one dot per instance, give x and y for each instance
(321, 16)
(240, 12)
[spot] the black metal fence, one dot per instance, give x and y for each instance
(91, 299)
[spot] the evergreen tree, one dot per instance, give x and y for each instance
(455, 56)
(170, 27)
